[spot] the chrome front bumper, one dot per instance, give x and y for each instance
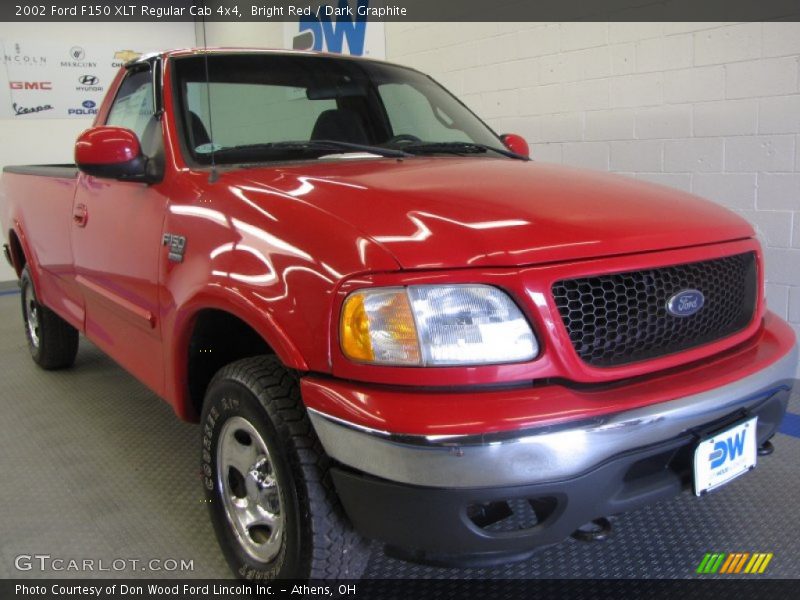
(543, 454)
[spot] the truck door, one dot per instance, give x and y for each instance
(116, 239)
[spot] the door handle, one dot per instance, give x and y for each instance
(80, 215)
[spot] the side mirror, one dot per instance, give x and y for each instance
(516, 143)
(112, 153)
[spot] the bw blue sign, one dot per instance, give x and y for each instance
(334, 26)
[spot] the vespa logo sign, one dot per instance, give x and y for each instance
(685, 303)
(343, 28)
(727, 449)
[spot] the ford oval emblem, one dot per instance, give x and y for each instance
(685, 303)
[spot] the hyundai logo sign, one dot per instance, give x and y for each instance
(89, 79)
(685, 303)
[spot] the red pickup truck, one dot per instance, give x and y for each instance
(390, 323)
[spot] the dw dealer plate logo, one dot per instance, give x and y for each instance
(725, 456)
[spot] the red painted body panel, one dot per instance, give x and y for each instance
(280, 246)
(106, 145)
(450, 212)
(414, 412)
(39, 211)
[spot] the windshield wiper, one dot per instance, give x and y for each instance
(304, 147)
(458, 148)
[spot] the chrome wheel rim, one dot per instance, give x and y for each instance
(31, 315)
(249, 489)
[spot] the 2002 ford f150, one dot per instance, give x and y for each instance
(390, 323)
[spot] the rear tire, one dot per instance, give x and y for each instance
(52, 342)
(272, 502)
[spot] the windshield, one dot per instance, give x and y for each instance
(265, 107)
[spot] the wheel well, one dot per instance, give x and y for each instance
(218, 338)
(17, 255)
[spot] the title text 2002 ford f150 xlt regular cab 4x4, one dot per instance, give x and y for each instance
(389, 322)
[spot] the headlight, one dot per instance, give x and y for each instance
(435, 325)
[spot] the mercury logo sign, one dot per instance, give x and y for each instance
(76, 55)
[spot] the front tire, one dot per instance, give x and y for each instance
(273, 506)
(52, 342)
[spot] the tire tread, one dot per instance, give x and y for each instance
(336, 550)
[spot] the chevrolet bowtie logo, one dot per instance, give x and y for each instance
(126, 55)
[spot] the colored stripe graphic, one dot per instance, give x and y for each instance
(732, 558)
(741, 562)
(711, 563)
(720, 562)
(759, 562)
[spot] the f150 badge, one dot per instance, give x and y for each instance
(176, 245)
(685, 303)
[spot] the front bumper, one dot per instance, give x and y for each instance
(456, 526)
(436, 498)
(547, 453)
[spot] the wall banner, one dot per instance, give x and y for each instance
(48, 80)
(339, 26)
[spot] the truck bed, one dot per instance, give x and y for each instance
(65, 171)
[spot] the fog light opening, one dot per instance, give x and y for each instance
(512, 515)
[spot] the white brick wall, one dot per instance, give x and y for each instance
(713, 108)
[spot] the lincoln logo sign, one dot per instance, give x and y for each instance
(685, 303)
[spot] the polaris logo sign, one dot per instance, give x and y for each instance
(342, 26)
(88, 108)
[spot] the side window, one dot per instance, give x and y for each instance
(133, 106)
(410, 112)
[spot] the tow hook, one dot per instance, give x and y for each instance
(596, 530)
(766, 449)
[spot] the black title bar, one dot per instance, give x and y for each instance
(400, 589)
(400, 10)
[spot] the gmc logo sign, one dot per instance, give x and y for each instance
(31, 85)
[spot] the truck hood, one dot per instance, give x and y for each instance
(441, 212)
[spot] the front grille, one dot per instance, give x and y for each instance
(622, 318)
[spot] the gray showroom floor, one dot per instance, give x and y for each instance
(94, 466)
